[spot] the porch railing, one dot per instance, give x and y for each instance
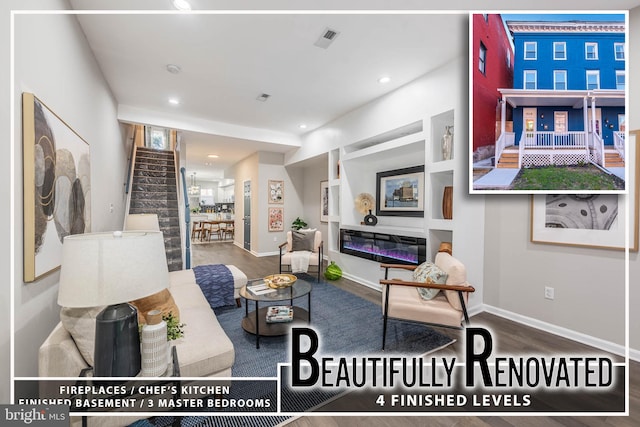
(506, 139)
(597, 147)
(618, 143)
(553, 140)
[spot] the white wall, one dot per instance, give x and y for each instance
(589, 283)
(313, 175)
(634, 124)
(53, 61)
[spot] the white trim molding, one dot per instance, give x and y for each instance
(564, 332)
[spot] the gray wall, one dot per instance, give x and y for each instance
(634, 125)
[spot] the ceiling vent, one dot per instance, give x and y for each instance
(326, 38)
(263, 97)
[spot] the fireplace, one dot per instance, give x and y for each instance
(381, 247)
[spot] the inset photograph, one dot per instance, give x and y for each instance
(548, 103)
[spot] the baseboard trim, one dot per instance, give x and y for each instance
(564, 332)
(361, 281)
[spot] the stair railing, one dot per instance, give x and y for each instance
(128, 190)
(187, 220)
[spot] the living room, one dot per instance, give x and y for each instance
(491, 234)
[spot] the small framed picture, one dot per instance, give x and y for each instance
(276, 219)
(275, 191)
(324, 201)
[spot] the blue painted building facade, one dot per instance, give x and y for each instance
(568, 76)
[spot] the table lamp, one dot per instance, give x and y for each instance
(111, 269)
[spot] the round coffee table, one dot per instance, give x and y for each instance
(255, 322)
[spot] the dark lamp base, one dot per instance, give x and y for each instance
(117, 342)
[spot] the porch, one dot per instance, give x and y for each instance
(558, 145)
(559, 148)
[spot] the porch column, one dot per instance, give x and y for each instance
(593, 114)
(503, 114)
(585, 119)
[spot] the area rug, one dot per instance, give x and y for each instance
(347, 325)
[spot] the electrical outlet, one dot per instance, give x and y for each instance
(111, 208)
(549, 292)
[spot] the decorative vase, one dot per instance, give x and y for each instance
(370, 219)
(447, 143)
(447, 203)
(155, 347)
(333, 272)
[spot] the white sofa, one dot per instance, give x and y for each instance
(204, 351)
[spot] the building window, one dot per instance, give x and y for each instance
(560, 79)
(559, 50)
(482, 58)
(618, 49)
(620, 79)
(530, 50)
(622, 123)
(530, 77)
(593, 79)
(560, 119)
(591, 50)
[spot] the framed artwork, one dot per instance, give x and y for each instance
(324, 201)
(589, 220)
(56, 186)
(276, 219)
(276, 191)
(400, 192)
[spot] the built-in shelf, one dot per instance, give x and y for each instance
(334, 182)
(439, 124)
(435, 237)
(399, 146)
(439, 180)
(441, 224)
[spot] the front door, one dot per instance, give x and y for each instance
(247, 215)
(529, 121)
(560, 120)
(598, 121)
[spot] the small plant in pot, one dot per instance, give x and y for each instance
(298, 224)
(175, 329)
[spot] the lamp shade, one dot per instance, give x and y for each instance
(142, 222)
(110, 268)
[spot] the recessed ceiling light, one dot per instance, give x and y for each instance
(384, 79)
(302, 126)
(263, 97)
(174, 101)
(173, 69)
(181, 4)
(213, 156)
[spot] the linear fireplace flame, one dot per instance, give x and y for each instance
(382, 247)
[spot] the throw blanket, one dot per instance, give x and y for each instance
(300, 261)
(216, 283)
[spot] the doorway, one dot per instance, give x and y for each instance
(246, 218)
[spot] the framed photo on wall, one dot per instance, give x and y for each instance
(324, 201)
(400, 192)
(276, 219)
(589, 220)
(56, 186)
(276, 191)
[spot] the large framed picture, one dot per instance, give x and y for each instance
(400, 192)
(589, 220)
(57, 187)
(324, 201)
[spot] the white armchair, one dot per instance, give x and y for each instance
(314, 254)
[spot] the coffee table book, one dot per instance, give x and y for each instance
(279, 314)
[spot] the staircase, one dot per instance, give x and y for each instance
(612, 159)
(508, 159)
(154, 190)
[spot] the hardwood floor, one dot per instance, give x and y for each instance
(509, 338)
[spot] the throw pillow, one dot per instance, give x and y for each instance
(428, 272)
(162, 301)
(81, 325)
(302, 241)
